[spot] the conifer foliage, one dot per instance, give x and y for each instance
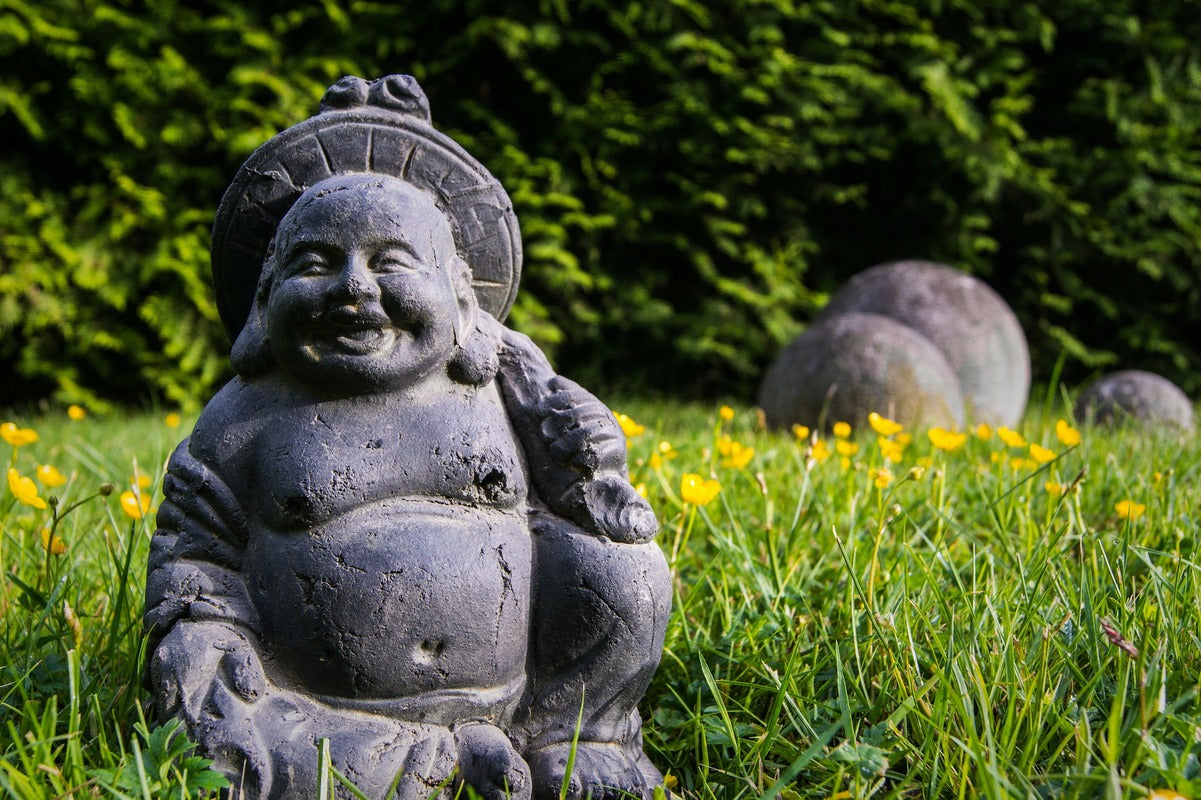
(692, 178)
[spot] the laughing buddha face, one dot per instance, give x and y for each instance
(361, 293)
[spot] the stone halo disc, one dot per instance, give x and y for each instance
(373, 141)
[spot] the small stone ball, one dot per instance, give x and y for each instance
(969, 322)
(846, 366)
(1135, 394)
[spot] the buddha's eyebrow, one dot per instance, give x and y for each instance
(311, 246)
(399, 244)
(322, 247)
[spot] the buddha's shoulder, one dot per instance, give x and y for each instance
(233, 422)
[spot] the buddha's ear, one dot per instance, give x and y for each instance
(474, 361)
(251, 355)
(468, 305)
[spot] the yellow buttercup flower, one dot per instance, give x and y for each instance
(628, 426)
(1011, 437)
(76, 412)
(172, 420)
(983, 431)
(1159, 794)
(55, 545)
(663, 452)
(842, 430)
(17, 437)
(944, 439)
(1041, 454)
(1067, 435)
(141, 481)
(50, 477)
(891, 450)
(820, 451)
(1054, 487)
(697, 490)
(24, 489)
(883, 425)
(640, 488)
(1128, 509)
(800, 431)
(903, 439)
(134, 505)
(737, 456)
(726, 413)
(846, 448)
(882, 477)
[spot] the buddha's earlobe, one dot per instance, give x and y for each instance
(474, 361)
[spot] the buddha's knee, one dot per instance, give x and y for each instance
(595, 597)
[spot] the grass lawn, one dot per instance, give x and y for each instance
(988, 618)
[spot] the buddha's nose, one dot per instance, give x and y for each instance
(356, 282)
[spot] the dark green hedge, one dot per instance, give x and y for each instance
(692, 178)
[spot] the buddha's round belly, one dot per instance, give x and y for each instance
(396, 599)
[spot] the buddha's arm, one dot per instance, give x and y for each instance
(575, 448)
(203, 627)
(196, 554)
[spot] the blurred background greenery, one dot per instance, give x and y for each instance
(692, 178)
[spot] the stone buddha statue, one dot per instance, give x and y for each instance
(397, 528)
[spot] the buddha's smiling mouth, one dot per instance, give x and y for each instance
(357, 335)
(362, 340)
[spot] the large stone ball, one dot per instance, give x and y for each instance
(846, 366)
(1136, 395)
(968, 321)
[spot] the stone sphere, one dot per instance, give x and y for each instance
(846, 366)
(968, 321)
(1137, 395)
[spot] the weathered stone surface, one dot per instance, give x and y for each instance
(969, 322)
(1137, 396)
(397, 527)
(846, 366)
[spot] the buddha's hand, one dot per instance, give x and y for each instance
(594, 489)
(579, 430)
(196, 654)
(209, 675)
(566, 431)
